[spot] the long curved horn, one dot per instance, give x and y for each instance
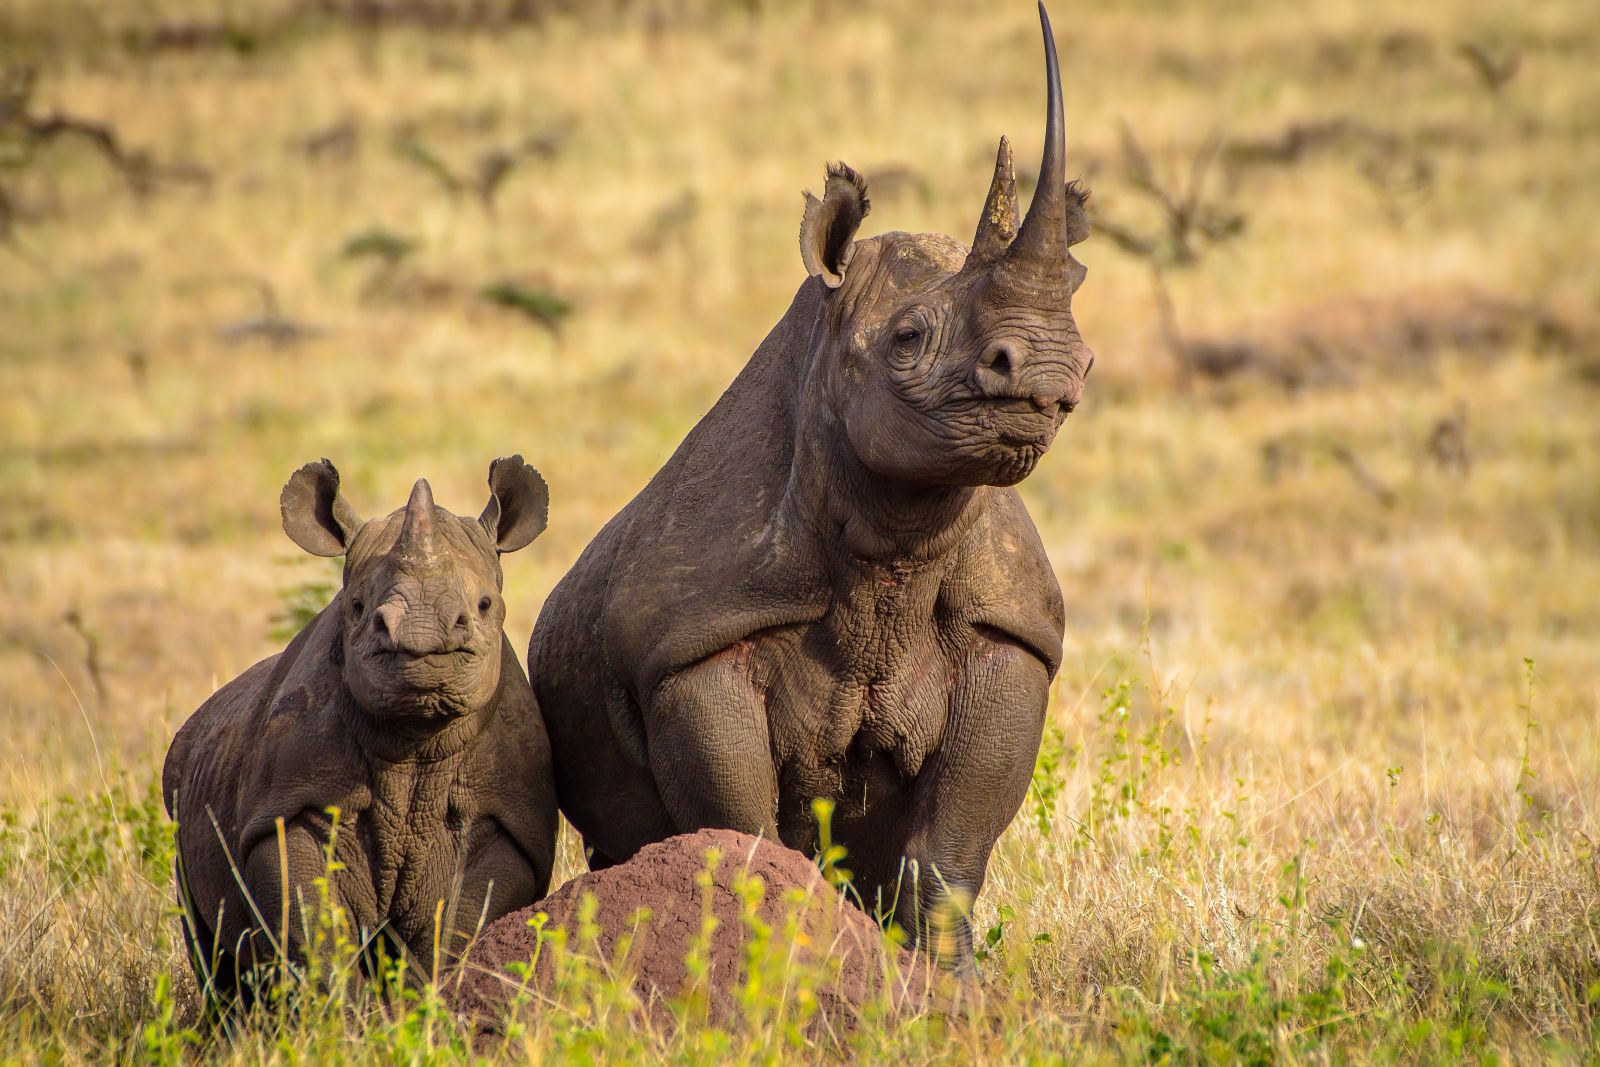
(1042, 240)
(416, 536)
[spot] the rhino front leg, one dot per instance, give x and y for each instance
(283, 915)
(709, 748)
(970, 792)
(235, 934)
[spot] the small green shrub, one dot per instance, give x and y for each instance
(85, 837)
(304, 601)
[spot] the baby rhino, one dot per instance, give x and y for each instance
(397, 724)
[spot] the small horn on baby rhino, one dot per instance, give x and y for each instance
(416, 536)
(1041, 242)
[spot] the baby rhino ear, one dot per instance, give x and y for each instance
(519, 504)
(315, 516)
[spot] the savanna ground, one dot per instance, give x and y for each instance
(1321, 773)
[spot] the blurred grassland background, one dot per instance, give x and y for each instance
(1321, 774)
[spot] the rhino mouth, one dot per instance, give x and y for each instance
(1011, 463)
(405, 659)
(1020, 423)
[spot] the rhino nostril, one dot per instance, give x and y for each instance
(386, 620)
(999, 361)
(461, 621)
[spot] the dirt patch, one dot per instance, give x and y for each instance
(817, 940)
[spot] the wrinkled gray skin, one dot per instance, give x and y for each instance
(830, 589)
(403, 705)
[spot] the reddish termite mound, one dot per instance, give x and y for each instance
(818, 941)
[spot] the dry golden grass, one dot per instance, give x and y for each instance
(1319, 631)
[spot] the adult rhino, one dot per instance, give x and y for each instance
(831, 590)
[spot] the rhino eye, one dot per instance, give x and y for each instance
(907, 336)
(358, 606)
(484, 605)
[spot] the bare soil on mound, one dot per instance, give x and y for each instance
(818, 941)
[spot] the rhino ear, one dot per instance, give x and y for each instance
(827, 233)
(315, 516)
(1077, 212)
(519, 504)
(1077, 230)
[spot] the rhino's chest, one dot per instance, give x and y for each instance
(407, 847)
(858, 699)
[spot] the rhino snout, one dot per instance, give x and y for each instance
(386, 622)
(1011, 369)
(398, 628)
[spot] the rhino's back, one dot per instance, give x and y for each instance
(681, 562)
(207, 746)
(249, 753)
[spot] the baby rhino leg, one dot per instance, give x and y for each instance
(281, 911)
